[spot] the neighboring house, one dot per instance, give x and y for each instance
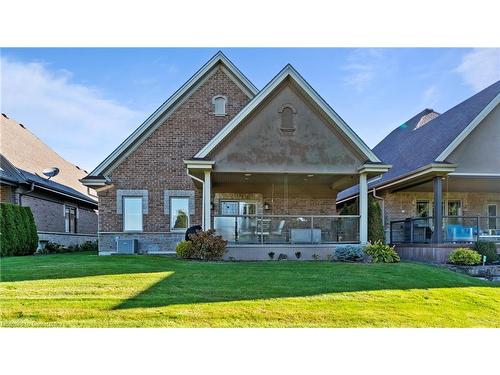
(445, 173)
(65, 211)
(261, 167)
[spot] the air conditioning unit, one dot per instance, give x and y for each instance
(127, 246)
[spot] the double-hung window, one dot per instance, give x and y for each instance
(132, 214)
(179, 213)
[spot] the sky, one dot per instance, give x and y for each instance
(83, 102)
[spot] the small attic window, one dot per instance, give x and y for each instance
(219, 103)
(287, 118)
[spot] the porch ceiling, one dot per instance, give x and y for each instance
(336, 182)
(462, 184)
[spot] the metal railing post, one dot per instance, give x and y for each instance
(411, 230)
(262, 229)
(312, 229)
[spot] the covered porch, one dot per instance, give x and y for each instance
(270, 177)
(464, 208)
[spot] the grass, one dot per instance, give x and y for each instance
(84, 290)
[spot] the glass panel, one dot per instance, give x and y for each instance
(132, 213)
(179, 218)
(288, 229)
(229, 208)
(492, 212)
(454, 208)
(70, 219)
(248, 208)
(220, 106)
(422, 208)
(460, 229)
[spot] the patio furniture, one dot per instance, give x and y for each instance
(305, 235)
(459, 233)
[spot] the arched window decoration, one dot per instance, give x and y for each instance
(287, 118)
(219, 103)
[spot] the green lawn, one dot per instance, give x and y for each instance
(84, 290)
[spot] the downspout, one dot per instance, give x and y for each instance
(203, 203)
(32, 188)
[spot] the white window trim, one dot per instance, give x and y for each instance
(124, 215)
(181, 230)
(225, 105)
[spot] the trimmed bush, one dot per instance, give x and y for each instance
(489, 249)
(18, 231)
(184, 249)
(464, 257)
(207, 246)
(382, 253)
(349, 253)
(89, 246)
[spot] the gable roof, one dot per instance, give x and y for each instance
(288, 72)
(24, 156)
(408, 147)
(163, 112)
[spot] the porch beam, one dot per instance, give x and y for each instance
(438, 209)
(363, 208)
(207, 192)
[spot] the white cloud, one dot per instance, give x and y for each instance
(430, 97)
(480, 67)
(362, 67)
(77, 121)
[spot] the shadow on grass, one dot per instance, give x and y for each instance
(244, 281)
(203, 282)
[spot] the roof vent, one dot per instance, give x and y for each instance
(51, 172)
(22, 126)
(430, 115)
(4, 115)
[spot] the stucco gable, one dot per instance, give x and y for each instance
(262, 143)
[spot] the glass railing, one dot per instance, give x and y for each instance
(287, 229)
(455, 229)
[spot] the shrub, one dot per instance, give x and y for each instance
(464, 256)
(375, 226)
(489, 249)
(207, 246)
(315, 256)
(184, 249)
(18, 230)
(270, 254)
(349, 253)
(89, 246)
(382, 253)
(298, 254)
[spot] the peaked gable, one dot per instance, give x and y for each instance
(290, 73)
(287, 133)
(159, 117)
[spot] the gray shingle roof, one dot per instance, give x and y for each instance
(408, 149)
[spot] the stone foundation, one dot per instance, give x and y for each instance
(256, 252)
(149, 243)
(66, 239)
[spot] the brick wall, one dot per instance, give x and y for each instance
(87, 221)
(157, 164)
(49, 215)
(6, 194)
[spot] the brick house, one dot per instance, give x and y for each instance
(445, 174)
(263, 168)
(65, 210)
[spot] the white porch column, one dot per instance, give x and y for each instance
(363, 208)
(207, 192)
